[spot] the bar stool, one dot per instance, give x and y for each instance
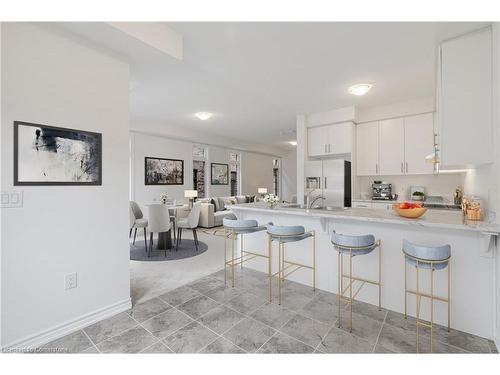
(288, 234)
(354, 246)
(233, 228)
(431, 258)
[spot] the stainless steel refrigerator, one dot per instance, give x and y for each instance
(332, 179)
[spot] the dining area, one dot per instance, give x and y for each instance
(167, 222)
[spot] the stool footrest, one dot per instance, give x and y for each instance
(427, 295)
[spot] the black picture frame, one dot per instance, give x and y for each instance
(150, 183)
(98, 155)
(217, 182)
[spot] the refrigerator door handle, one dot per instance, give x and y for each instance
(326, 186)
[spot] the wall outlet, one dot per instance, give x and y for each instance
(12, 199)
(70, 281)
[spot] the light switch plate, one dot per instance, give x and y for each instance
(12, 198)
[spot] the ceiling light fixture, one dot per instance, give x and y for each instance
(293, 143)
(203, 115)
(360, 89)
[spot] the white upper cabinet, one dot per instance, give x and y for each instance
(330, 140)
(367, 149)
(392, 147)
(395, 147)
(418, 143)
(465, 100)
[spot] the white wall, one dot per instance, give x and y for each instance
(289, 176)
(50, 78)
(253, 173)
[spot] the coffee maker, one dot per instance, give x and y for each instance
(381, 190)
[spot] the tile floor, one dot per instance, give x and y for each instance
(207, 317)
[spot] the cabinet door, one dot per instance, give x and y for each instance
(317, 139)
(392, 148)
(367, 149)
(382, 206)
(419, 142)
(465, 100)
(340, 138)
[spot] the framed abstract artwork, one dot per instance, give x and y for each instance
(220, 174)
(50, 155)
(159, 171)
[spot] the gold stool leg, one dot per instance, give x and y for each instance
(350, 291)
(449, 301)
(314, 261)
(225, 256)
(432, 303)
(241, 249)
(339, 295)
(270, 266)
(406, 286)
(232, 255)
(417, 294)
(379, 276)
(280, 255)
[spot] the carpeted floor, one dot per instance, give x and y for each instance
(150, 279)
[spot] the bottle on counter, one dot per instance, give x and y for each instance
(458, 196)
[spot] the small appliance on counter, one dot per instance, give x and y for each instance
(381, 190)
(458, 195)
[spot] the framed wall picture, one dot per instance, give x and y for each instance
(220, 174)
(50, 155)
(159, 171)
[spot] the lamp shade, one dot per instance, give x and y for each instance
(190, 193)
(262, 190)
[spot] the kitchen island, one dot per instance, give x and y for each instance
(473, 273)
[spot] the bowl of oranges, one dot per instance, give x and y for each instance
(409, 210)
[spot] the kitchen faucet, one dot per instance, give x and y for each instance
(309, 204)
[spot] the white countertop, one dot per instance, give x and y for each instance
(432, 218)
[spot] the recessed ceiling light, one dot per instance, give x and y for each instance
(360, 89)
(293, 143)
(203, 115)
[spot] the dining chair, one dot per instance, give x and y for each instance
(139, 222)
(159, 221)
(189, 222)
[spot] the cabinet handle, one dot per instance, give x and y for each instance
(376, 168)
(329, 148)
(402, 170)
(406, 167)
(325, 148)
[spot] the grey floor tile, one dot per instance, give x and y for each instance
(206, 284)
(398, 320)
(369, 310)
(220, 319)
(323, 307)
(222, 346)
(294, 296)
(132, 341)
(305, 329)
(380, 349)
(282, 344)
(166, 323)
(339, 341)
(362, 326)
(223, 294)
(158, 348)
(73, 343)
(246, 303)
(148, 309)
(91, 350)
(104, 329)
(462, 340)
(272, 315)
(179, 296)
(190, 339)
(493, 347)
(397, 340)
(198, 306)
(249, 334)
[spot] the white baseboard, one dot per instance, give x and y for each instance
(70, 326)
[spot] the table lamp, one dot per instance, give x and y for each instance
(191, 194)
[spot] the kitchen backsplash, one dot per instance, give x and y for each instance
(443, 184)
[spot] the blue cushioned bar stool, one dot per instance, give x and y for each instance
(430, 258)
(232, 229)
(282, 235)
(354, 246)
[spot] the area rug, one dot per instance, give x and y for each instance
(186, 250)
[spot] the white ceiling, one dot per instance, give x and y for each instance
(255, 77)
